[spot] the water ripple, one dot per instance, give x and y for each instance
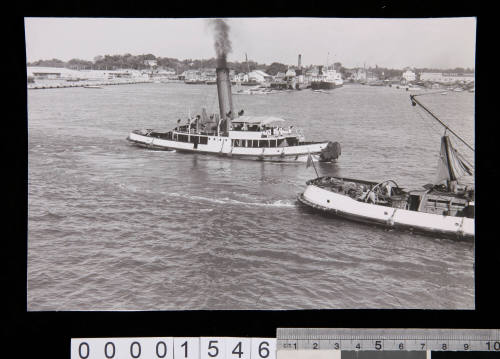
(115, 227)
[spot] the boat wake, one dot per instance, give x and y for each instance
(159, 150)
(227, 200)
(222, 200)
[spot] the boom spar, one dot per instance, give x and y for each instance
(414, 102)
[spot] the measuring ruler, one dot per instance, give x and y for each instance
(388, 339)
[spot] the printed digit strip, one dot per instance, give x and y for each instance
(173, 348)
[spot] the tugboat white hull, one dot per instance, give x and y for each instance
(344, 206)
(222, 147)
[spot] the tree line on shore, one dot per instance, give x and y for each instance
(139, 62)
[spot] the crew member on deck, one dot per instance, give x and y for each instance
(368, 196)
(388, 189)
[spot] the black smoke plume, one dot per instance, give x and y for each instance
(221, 41)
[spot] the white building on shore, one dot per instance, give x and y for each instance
(259, 76)
(447, 78)
(61, 73)
(359, 75)
(51, 73)
(409, 76)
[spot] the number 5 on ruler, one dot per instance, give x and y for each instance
(212, 348)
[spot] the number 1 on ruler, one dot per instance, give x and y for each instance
(186, 348)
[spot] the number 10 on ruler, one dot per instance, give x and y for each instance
(174, 348)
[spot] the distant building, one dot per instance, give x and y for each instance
(150, 63)
(309, 73)
(394, 80)
(209, 75)
(166, 70)
(191, 75)
(300, 76)
(314, 71)
(371, 76)
(359, 75)
(120, 74)
(409, 76)
(290, 73)
(50, 73)
(259, 76)
(162, 73)
(46, 75)
(279, 76)
(447, 78)
(241, 77)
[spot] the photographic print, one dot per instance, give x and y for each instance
(250, 163)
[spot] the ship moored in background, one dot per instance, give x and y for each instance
(445, 207)
(327, 79)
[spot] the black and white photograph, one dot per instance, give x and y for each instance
(250, 163)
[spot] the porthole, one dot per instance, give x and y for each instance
(385, 213)
(328, 201)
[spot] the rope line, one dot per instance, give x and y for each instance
(415, 102)
(430, 127)
(434, 128)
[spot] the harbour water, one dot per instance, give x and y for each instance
(116, 227)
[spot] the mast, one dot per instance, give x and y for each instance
(414, 102)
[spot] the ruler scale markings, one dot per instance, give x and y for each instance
(399, 339)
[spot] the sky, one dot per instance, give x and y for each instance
(394, 43)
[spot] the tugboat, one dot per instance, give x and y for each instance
(236, 135)
(444, 208)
